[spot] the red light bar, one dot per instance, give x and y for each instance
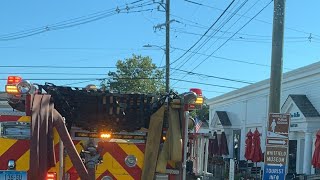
(197, 91)
(13, 80)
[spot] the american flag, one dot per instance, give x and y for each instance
(198, 125)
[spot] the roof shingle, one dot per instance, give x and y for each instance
(224, 118)
(305, 106)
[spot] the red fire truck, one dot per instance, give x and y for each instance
(55, 132)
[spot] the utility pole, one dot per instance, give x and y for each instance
(277, 55)
(167, 46)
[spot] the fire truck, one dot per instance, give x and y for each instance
(57, 132)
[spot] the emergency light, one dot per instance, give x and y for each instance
(105, 135)
(199, 100)
(51, 176)
(16, 85)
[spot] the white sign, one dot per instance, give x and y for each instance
(231, 170)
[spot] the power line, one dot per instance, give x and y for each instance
(96, 74)
(113, 67)
(48, 73)
(215, 85)
(234, 33)
(228, 59)
(59, 67)
(263, 21)
(71, 79)
(231, 36)
(211, 76)
(197, 25)
(215, 32)
(100, 79)
(205, 90)
(244, 39)
(79, 82)
(75, 21)
(233, 14)
(204, 33)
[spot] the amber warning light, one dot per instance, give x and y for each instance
(51, 176)
(199, 100)
(105, 135)
(12, 82)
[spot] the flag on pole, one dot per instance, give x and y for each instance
(198, 125)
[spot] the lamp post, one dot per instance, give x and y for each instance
(167, 64)
(152, 45)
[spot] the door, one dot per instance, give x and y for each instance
(292, 156)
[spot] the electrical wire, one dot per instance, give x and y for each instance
(215, 22)
(205, 90)
(69, 84)
(197, 25)
(59, 67)
(71, 79)
(211, 76)
(234, 34)
(96, 74)
(221, 36)
(229, 59)
(194, 82)
(244, 39)
(263, 21)
(75, 21)
(229, 38)
(48, 73)
(213, 34)
(100, 79)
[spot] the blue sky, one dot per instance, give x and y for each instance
(118, 36)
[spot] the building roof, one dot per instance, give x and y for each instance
(305, 106)
(224, 118)
(293, 75)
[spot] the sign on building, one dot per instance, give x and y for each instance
(277, 141)
(278, 125)
(276, 155)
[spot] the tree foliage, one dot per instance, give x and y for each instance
(136, 74)
(202, 114)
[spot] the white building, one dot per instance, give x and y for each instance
(247, 108)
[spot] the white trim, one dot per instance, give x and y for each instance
(294, 75)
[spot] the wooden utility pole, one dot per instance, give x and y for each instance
(277, 54)
(167, 46)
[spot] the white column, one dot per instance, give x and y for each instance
(313, 170)
(195, 162)
(198, 155)
(206, 155)
(299, 156)
(201, 155)
(242, 145)
(307, 153)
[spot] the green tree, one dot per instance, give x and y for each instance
(136, 74)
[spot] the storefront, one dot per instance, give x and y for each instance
(247, 109)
